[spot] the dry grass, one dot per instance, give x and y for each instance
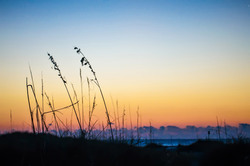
(65, 85)
(84, 61)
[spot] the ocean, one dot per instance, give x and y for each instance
(176, 142)
(168, 142)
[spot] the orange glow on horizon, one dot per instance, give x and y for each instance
(179, 68)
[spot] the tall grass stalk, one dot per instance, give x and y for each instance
(56, 110)
(71, 123)
(38, 120)
(78, 108)
(53, 111)
(89, 101)
(118, 119)
(131, 126)
(123, 124)
(84, 61)
(54, 114)
(65, 85)
(218, 127)
(225, 129)
(37, 115)
(31, 112)
(137, 125)
(103, 131)
(37, 107)
(42, 102)
(150, 133)
(115, 116)
(82, 98)
(90, 116)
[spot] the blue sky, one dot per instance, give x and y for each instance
(146, 47)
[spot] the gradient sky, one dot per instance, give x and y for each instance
(182, 62)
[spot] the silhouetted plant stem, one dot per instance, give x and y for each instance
(84, 61)
(107, 113)
(83, 134)
(71, 121)
(116, 128)
(118, 119)
(54, 115)
(131, 126)
(31, 112)
(218, 127)
(150, 133)
(82, 99)
(65, 85)
(33, 87)
(78, 108)
(90, 117)
(56, 110)
(89, 103)
(38, 120)
(103, 131)
(123, 124)
(137, 123)
(37, 106)
(42, 104)
(225, 128)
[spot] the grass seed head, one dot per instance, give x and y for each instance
(56, 67)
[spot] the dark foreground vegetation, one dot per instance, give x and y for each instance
(25, 149)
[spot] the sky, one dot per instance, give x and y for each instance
(180, 62)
